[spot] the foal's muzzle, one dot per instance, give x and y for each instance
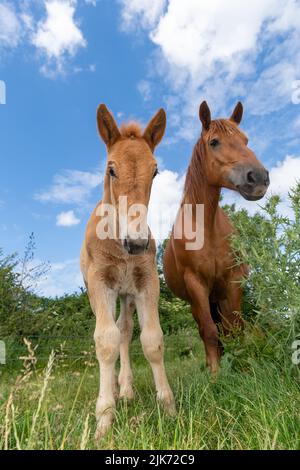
(136, 246)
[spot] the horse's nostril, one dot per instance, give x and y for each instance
(267, 179)
(250, 177)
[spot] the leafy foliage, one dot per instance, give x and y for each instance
(270, 244)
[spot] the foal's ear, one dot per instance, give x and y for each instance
(205, 116)
(237, 114)
(107, 126)
(156, 128)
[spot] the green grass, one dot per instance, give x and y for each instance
(256, 407)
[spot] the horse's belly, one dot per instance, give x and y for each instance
(219, 291)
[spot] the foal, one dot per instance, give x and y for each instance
(124, 266)
(208, 278)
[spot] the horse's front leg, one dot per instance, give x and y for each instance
(207, 328)
(230, 308)
(107, 343)
(152, 343)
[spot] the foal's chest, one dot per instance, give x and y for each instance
(126, 277)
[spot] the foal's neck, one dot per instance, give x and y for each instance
(197, 189)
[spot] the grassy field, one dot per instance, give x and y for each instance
(52, 406)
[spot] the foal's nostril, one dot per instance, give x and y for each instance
(134, 247)
(250, 177)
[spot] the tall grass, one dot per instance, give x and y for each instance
(255, 408)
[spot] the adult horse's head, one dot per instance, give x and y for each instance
(131, 167)
(230, 163)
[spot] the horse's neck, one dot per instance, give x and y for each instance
(198, 190)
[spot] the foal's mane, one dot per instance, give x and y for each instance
(195, 180)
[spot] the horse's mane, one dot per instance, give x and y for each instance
(131, 130)
(195, 178)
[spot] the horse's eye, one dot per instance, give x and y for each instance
(214, 143)
(112, 172)
(155, 173)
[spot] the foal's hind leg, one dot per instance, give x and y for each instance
(125, 325)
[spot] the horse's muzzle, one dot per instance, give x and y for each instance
(251, 182)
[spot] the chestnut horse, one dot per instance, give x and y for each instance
(124, 266)
(208, 278)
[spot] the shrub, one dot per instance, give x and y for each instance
(270, 244)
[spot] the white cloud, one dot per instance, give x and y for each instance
(58, 36)
(215, 50)
(62, 278)
(284, 175)
(144, 87)
(10, 26)
(67, 219)
(91, 2)
(71, 187)
(165, 198)
(143, 13)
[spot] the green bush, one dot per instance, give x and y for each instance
(270, 244)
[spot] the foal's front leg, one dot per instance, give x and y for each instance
(153, 345)
(107, 342)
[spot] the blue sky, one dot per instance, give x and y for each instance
(60, 58)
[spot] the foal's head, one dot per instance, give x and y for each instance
(229, 162)
(131, 168)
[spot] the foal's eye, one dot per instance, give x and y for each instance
(155, 173)
(112, 172)
(214, 143)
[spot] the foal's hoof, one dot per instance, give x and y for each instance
(126, 394)
(168, 404)
(104, 425)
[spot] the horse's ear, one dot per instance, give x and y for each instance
(155, 129)
(237, 114)
(107, 126)
(205, 116)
